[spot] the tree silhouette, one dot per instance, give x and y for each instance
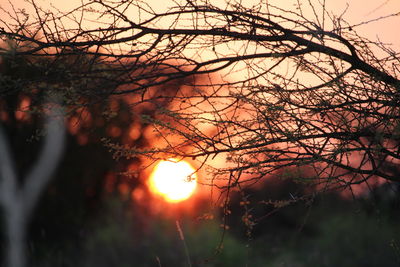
(291, 91)
(312, 92)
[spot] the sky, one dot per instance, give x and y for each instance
(365, 10)
(357, 11)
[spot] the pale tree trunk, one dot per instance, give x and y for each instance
(16, 229)
(18, 201)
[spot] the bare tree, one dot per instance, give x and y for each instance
(19, 200)
(310, 94)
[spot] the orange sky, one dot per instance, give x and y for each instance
(364, 10)
(358, 11)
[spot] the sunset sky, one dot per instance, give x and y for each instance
(357, 11)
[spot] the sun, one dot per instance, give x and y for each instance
(174, 180)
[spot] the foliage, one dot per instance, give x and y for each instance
(336, 232)
(118, 237)
(345, 238)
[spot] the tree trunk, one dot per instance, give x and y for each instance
(16, 235)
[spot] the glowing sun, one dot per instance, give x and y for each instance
(174, 180)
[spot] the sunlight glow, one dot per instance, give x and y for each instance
(174, 180)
